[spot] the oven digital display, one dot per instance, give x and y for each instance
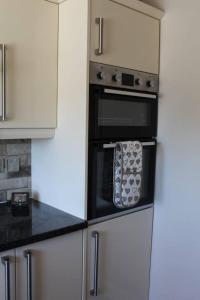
(127, 79)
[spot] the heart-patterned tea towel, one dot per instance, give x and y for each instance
(127, 174)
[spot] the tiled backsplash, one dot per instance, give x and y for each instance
(15, 167)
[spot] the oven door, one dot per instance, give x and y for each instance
(121, 114)
(100, 178)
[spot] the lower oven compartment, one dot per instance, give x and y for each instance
(100, 178)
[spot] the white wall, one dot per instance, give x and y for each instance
(58, 165)
(175, 273)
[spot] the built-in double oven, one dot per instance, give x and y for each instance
(123, 106)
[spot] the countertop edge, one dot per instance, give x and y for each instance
(43, 236)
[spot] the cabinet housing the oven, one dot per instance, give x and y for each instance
(78, 40)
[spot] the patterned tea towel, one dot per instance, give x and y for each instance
(127, 173)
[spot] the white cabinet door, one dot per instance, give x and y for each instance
(124, 257)
(29, 30)
(7, 275)
(56, 269)
(130, 38)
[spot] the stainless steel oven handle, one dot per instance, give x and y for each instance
(28, 256)
(6, 262)
(113, 145)
(127, 93)
(100, 21)
(94, 291)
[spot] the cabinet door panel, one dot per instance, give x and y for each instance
(56, 269)
(28, 28)
(124, 257)
(11, 256)
(130, 38)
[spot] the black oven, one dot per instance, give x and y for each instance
(100, 177)
(121, 114)
(123, 107)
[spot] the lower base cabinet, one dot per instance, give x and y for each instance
(118, 257)
(118, 263)
(48, 270)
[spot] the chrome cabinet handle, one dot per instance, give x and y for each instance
(100, 21)
(28, 256)
(94, 291)
(3, 95)
(6, 262)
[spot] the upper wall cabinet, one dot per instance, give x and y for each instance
(28, 62)
(122, 36)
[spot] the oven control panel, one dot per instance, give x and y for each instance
(123, 78)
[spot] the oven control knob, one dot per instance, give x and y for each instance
(150, 84)
(139, 81)
(101, 75)
(117, 77)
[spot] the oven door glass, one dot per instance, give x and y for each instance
(116, 114)
(100, 179)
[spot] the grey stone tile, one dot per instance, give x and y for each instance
(17, 141)
(2, 148)
(3, 176)
(18, 148)
(26, 172)
(3, 197)
(23, 161)
(29, 182)
(2, 165)
(14, 183)
(25, 190)
(28, 148)
(25, 168)
(12, 164)
(29, 159)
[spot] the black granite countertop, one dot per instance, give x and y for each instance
(43, 222)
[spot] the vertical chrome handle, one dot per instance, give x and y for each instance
(94, 291)
(28, 255)
(3, 95)
(6, 262)
(100, 21)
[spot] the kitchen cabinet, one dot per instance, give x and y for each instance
(28, 63)
(129, 38)
(56, 269)
(7, 275)
(124, 250)
(46, 270)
